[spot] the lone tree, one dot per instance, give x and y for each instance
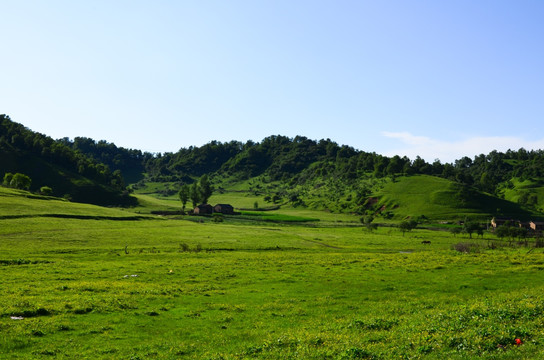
(46, 190)
(367, 221)
(471, 226)
(183, 194)
(194, 194)
(205, 189)
(407, 226)
(502, 231)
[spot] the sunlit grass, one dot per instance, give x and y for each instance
(15, 203)
(325, 289)
(260, 291)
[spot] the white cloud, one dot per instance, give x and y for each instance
(448, 151)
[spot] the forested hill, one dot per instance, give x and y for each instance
(84, 168)
(324, 175)
(299, 159)
(130, 162)
(51, 163)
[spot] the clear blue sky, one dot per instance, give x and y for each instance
(441, 79)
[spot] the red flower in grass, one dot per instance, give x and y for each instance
(518, 341)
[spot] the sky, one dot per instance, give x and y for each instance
(438, 79)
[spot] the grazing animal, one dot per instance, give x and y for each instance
(426, 242)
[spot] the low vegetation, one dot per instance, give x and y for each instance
(103, 288)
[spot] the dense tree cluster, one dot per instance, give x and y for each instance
(510, 231)
(62, 170)
(301, 159)
(199, 193)
(15, 137)
(190, 162)
(129, 162)
(17, 181)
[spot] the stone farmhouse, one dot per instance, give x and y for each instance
(207, 209)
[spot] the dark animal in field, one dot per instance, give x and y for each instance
(426, 242)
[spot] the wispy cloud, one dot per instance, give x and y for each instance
(448, 151)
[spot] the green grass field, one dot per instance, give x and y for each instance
(166, 289)
(19, 203)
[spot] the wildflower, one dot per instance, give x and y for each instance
(518, 341)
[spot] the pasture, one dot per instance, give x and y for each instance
(103, 286)
(224, 291)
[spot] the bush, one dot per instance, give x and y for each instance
(465, 247)
(7, 179)
(46, 190)
(20, 181)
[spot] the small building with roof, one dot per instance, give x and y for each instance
(203, 209)
(223, 209)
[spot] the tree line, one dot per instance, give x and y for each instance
(300, 159)
(53, 164)
(276, 158)
(15, 137)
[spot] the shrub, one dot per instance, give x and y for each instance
(7, 179)
(465, 247)
(217, 217)
(20, 181)
(46, 190)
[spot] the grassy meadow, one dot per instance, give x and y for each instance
(108, 287)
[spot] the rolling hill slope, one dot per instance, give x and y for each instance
(19, 203)
(438, 198)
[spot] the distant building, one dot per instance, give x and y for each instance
(537, 226)
(497, 221)
(223, 209)
(203, 209)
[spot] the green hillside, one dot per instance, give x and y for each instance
(280, 171)
(19, 203)
(67, 172)
(528, 192)
(437, 198)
